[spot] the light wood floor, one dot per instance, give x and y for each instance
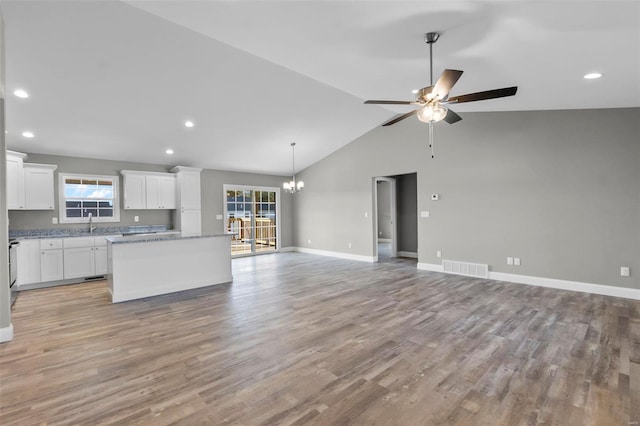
(303, 339)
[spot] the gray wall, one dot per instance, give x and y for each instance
(559, 189)
(407, 216)
(211, 189)
(5, 300)
(384, 209)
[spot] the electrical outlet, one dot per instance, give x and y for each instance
(218, 217)
(349, 245)
(54, 220)
(424, 214)
(516, 261)
(438, 253)
(136, 218)
(625, 271)
(309, 242)
(366, 215)
(509, 260)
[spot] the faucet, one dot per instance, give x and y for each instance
(91, 227)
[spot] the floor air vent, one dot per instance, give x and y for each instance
(465, 268)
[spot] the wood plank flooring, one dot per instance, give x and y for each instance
(302, 339)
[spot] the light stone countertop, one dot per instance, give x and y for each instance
(159, 237)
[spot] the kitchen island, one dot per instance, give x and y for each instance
(150, 265)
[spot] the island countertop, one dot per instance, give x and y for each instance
(147, 238)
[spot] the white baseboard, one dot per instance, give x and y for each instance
(286, 249)
(429, 267)
(410, 254)
(336, 254)
(6, 333)
(384, 240)
(605, 290)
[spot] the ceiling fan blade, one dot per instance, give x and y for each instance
(445, 82)
(390, 102)
(481, 96)
(399, 117)
(452, 117)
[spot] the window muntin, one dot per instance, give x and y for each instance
(83, 195)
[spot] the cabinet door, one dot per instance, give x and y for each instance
(153, 192)
(135, 196)
(28, 262)
(102, 267)
(51, 265)
(190, 222)
(79, 262)
(189, 190)
(168, 192)
(15, 184)
(38, 187)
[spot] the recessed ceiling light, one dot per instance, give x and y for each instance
(169, 151)
(592, 75)
(21, 93)
(28, 134)
(414, 91)
(188, 123)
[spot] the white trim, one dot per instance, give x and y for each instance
(410, 254)
(384, 240)
(336, 254)
(605, 290)
(286, 249)
(62, 213)
(6, 333)
(429, 267)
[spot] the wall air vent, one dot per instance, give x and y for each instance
(465, 268)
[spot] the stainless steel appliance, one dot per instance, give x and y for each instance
(13, 262)
(13, 269)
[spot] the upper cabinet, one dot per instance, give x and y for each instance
(15, 180)
(30, 186)
(38, 186)
(149, 190)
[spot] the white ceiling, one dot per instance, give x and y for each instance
(116, 80)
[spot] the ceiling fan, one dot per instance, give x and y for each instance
(433, 100)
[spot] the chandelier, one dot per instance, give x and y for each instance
(292, 186)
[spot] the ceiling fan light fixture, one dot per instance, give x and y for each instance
(432, 113)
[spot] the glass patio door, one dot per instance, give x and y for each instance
(251, 215)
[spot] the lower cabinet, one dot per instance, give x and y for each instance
(51, 259)
(51, 265)
(79, 262)
(55, 259)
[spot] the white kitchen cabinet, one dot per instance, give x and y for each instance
(101, 262)
(28, 262)
(187, 217)
(51, 260)
(38, 186)
(15, 180)
(161, 191)
(135, 195)
(79, 262)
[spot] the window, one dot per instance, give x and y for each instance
(252, 218)
(82, 196)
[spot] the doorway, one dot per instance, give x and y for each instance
(252, 216)
(395, 230)
(385, 232)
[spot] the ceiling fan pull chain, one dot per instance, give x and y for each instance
(431, 138)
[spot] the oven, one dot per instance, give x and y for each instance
(13, 262)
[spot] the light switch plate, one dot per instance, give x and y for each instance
(54, 220)
(218, 217)
(509, 260)
(136, 218)
(625, 271)
(424, 214)
(516, 261)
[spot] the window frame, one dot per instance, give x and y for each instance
(62, 200)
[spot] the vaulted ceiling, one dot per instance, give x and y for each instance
(117, 80)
